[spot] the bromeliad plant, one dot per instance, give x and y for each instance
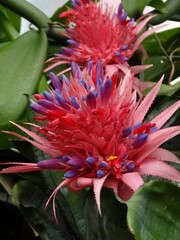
(95, 138)
(94, 131)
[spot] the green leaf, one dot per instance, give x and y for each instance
(161, 66)
(159, 105)
(134, 8)
(13, 17)
(173, 143)
(176, 17)
(33, 200)
(170, 40)
(173, 7)
(8, 26)
(42, 85)
(65, 213)
(35, 16)
(53, 48)
(21, 62)
(75, 201)
(28, 11)
(25, 148)
(169, 90)
(177, 153)
(159, 5)
(153, 211)
(6, 139)
(112, 223)
(4, 44)
(165, 90)
(3, 36)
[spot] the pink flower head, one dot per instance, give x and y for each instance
(94, 131)
(96, 34)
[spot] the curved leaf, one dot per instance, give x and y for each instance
(13, 17)
(172, 6)
(6, 139)
(8, 27)
(165, 89)
(134, 8)
(32, 201)
(153, 211)
(21, 62)
(42, 84)
(159, 5)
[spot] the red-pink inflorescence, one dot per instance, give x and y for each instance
(101, 34)
(94, 131)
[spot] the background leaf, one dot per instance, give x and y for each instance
(12, 16)
(33, 200)
(172, 6)
(134, 8)
(75, 202)
(165, 90)
(42, 85)
(158, 106)
(112, 224)
(21, 62)
(159, 5)
(170, 40)
(153, 211)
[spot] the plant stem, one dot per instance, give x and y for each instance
(172, 64)
(28, 11)
(35, 16)
(160, 46)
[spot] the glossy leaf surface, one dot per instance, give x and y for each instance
(153, 211)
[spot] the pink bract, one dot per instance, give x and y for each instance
(94, 131)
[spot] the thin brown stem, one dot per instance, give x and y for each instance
(172, 64)
(160, 46)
